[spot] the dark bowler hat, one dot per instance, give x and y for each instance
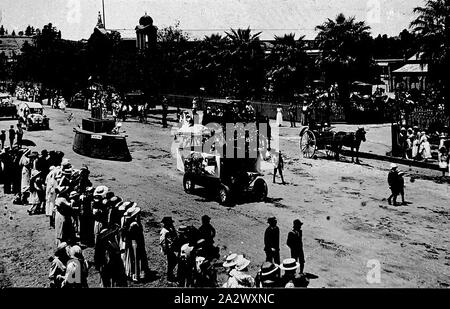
(109, 195)
(271, 219)
(297, 222)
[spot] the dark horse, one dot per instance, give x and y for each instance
(351, 140)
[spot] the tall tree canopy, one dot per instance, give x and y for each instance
(345, 45)
(433, 28)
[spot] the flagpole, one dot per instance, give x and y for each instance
(103, 6)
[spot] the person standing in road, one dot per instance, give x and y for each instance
(164, 111)
(12, 136)
(3, 138)
(292, 114)
(272, 241)
(295, 243)
(278, 164)
(279, 119)
(394, 184)
(167, 241)
(19, 134)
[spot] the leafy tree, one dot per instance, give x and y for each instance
(2, 30)
(13, 33)
(433, 28)
(345, 45)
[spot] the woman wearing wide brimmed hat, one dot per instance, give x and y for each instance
(135, 259)
(239, 278)
(37, 193)
(77, 267)
(63, 218)
(107, 259)
(114, 215)
(25, 164)
(50, 195)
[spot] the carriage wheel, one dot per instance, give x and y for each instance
(308, 144)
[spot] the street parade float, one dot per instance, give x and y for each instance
(101, 138)
(201, 154)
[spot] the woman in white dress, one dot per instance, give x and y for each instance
(424, 148)
(279, 120)
(50, 195)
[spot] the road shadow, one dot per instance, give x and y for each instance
(311, 276)
(436, 179)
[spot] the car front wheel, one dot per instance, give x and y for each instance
(224, 194)
(260, 190)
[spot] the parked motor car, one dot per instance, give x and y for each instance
(32, 115)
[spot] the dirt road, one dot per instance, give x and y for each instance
(347, 221)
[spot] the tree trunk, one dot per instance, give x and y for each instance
(344, 98)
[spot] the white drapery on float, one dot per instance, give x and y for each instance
(190, 141)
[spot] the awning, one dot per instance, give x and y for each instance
(412, 68)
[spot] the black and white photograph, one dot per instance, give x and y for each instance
(252, 145)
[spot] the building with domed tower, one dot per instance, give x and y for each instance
(145, 33)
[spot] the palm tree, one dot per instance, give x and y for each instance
(245, 61)
(433, 28)
(340, 41)
(286, 64)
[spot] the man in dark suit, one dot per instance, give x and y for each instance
(295, 243)
(272, 241)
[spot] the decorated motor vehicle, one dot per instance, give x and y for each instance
(199, 156)
(32, 116)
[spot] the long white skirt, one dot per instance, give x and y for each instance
(279, 118)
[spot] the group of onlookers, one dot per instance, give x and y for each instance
(28, 93)
(85, 216)
(15, 137)
(194, 252)
(415, 145)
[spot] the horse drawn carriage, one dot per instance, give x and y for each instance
(323, 137)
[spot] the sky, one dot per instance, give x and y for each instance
(77, 18)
